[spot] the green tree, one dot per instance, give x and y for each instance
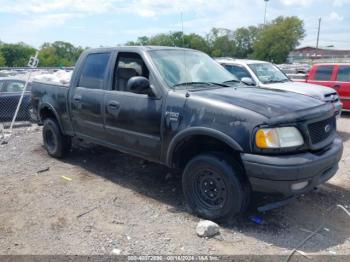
(143, 40)
(177, 38)
(162, 39)
(221, 42)
(2, 60)
(197, 42)
(244, 38)
(271, 42)
(278, 38)
(48, 56)
(59, 53)
(16, 54)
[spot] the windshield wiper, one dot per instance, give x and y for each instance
(200, 83)
(278, 81)
(232, 81)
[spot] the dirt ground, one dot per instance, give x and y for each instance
(97, 200)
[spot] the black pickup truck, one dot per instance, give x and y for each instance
(180, 108)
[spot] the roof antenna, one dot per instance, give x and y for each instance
(182, 30)
(183, 46)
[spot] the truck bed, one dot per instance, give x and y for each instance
(54, 96)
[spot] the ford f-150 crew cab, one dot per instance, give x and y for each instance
(180, 108)
(267, 75)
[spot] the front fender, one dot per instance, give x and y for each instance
(199, 131)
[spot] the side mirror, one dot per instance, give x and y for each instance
(248, 81)
(140, 85)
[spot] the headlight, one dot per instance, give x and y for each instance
(278, 137)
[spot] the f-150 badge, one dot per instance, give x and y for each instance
(173, 116)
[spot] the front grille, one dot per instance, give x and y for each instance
(320, 131)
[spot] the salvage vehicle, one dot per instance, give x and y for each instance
(336, 76)
(10, 92)
(267, 75)
(180, 108)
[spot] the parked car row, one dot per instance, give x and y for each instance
(335, 77)
(267, 75)
(180, 108)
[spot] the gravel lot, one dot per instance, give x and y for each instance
(97, 200)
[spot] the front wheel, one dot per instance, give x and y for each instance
(214, 187)
(56, 144)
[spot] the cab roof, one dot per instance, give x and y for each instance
(228, 60)
(135, 48)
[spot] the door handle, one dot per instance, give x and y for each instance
(336, 86)
(113, 105)
(77, 98)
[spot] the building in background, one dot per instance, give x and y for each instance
(312, 55)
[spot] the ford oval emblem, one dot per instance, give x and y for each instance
(327, 128)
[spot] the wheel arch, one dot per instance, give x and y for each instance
(46, 110)
(207, 137)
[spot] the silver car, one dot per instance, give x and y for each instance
(267, 75)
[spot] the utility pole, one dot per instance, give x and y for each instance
(318, 32)
(318, 36)
(265, 11)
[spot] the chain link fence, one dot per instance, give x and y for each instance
(11, 91)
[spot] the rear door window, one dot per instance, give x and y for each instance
(324, 73)
(343, 74)
(94, 71)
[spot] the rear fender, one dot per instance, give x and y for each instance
(49, 107)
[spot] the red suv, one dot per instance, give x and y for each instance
(336, 76)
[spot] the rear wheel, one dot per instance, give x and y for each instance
(214, 187)
(56, 144)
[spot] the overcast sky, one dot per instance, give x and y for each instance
(110, 22)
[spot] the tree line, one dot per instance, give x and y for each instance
(57, 54)
(270, 42)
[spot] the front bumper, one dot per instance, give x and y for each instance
(338, 107)
(277, 174)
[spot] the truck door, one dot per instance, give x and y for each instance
(132, 121)
(86, 99)
(342, 85)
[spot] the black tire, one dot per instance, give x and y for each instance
(57, 145)
(214, 187)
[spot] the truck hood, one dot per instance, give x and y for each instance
(267, 102)
(316, 91)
